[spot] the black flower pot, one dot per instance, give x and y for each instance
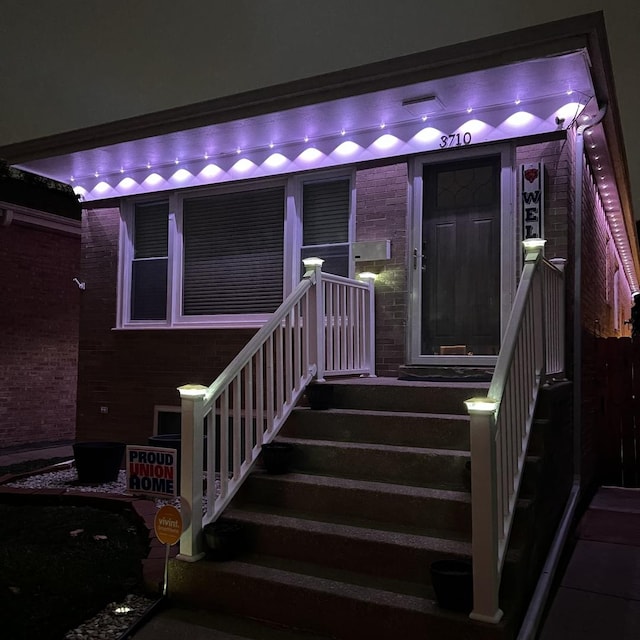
(277, 457)
(452, 582)
(224, 539)
(174, 441)
(320, 396)
(98, 462)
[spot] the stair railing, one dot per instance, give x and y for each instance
(532, 349)
(325, 327)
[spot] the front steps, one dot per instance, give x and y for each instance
(341, 547)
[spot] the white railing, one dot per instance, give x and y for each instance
(532, 349)
(251, 399)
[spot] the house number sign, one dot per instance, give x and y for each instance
(455, 140)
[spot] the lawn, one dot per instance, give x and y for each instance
(61, 564)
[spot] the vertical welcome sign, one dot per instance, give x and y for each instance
(152, 471)
(532, 194)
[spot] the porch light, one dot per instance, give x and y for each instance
(533, 244)
(367, 275)
(192, 391)
(481, 405)
(312, 262)
(122, 610)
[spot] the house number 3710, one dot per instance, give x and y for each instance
(455, 140)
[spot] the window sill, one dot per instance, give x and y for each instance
(250, 322)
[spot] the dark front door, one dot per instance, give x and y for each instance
(461, 258)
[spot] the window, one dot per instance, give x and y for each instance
(326, 215)
(150, 261)
(231, 267)
(227, 257)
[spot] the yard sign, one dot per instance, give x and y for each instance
(152, 471)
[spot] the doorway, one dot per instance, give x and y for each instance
(457, 261)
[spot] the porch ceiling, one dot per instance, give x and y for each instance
(515, 85)
(313, 125)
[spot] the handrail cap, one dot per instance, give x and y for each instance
(481, 406)
(193, 391)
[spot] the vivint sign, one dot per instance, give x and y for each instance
(152, 471)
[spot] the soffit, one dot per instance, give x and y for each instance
(524, 82)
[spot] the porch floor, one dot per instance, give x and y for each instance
(400, 382)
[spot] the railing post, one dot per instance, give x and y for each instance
(370, 328)
(560, 264)
(192, 396)
(533, 248)
(317, 338)
(484, 511)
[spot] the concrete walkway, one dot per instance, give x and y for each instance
(599, 594)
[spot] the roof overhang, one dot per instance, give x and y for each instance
(526, 84)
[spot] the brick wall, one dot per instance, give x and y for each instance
(555, 156)
(38, 334)
(599, 261)
(381, 214)
(129, 372)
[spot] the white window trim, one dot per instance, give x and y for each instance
(292, 234)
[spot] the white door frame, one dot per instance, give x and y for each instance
(508, 266)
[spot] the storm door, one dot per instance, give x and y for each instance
(460, 258)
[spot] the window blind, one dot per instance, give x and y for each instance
(326, 212)
(325, 220)
(233, 252)
(151, 230)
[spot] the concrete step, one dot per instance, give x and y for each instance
(422, 509)
(438, 431)
(333, 607)
(415, 466)
(376, 394)
(366, 550)
(188, 624)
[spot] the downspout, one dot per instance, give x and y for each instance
(531, 622)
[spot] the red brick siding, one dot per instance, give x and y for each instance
(131, 371)
(381, 214)
(38, 334)
(599, 262)
(556, 161)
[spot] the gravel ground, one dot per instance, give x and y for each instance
(112, 621)
(67, 479)
(116, 618)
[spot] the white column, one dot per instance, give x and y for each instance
(317, 337)
(484, 511)
(192, 456)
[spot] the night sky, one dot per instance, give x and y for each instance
(71, 64)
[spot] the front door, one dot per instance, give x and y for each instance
(460, 258)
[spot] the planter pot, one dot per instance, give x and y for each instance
(225, 539)
(172, 441)
(453, 584)
(98, 462)
(320, 396)
(277, 457)
(169, 441)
